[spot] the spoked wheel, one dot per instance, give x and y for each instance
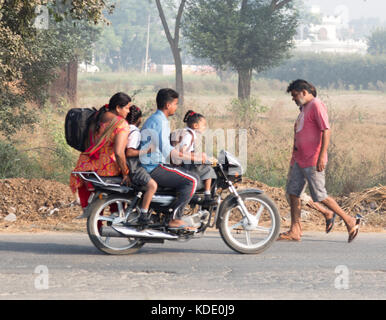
(253, 236)
(105, 213)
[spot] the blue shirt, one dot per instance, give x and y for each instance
(156, 130)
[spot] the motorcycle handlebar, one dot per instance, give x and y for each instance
(213, 162)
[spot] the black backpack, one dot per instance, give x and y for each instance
(76, 127)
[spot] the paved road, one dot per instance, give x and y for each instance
(67, 266)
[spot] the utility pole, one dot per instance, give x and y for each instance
(147, 44)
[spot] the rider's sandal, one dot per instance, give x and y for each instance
(208, 200)
(144, 221)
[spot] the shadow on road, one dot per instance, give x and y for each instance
(161, 250)
(47, 248)
(75, 249)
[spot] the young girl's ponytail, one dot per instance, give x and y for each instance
(134, 114)
(192, 117)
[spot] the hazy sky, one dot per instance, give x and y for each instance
(356, 8)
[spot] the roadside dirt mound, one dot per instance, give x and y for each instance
(38, 204)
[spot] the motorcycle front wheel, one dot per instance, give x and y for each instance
(104, 213)
(243, 236)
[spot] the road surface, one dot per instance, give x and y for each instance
(68, 266)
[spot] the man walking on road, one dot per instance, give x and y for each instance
(312, 136)
(305, 198)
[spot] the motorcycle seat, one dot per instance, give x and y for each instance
(111, 180)
(118, 179)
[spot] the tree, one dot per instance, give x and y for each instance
(377, 42)
(174, 44)
(29, 56)
(361, 28)
(122, 45)
(245, 35)
(71, 42)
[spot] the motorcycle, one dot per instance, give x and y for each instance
(248, 220)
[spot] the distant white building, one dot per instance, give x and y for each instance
(88, 67)
(170, 69)
(324, 37)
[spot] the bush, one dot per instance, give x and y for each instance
(333, 71)
(51, 158)
(16, 164)
(351, 171)
(13, 111)
(245, 112)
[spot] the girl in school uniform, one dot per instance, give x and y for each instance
(196, 123)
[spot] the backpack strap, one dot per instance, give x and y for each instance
(191, 141)
(104, 137)
(130, 133)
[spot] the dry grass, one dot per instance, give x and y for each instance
(356, 172)
(357, 153)
(374, 197)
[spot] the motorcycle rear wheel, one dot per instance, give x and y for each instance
(103, 212)
(241, 237)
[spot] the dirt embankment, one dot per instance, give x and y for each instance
(38, 204)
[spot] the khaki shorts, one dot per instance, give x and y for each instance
(298, 178)
(304, 197)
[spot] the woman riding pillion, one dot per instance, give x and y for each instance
(107, 145)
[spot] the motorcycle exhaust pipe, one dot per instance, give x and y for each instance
(110, 232)
(120, 232)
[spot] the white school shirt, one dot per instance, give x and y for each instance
(134, 138)
(187, 139)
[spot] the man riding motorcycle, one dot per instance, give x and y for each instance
(156, 131)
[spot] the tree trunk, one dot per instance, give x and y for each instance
(65, 86)
(244, 88)
(72, 82)
(174, 47)
(179, 76)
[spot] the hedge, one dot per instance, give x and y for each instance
(338, 71)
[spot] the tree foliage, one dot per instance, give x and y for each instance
(122, 45)
(377, 42)
(334, 71)
(29, 56)
(244, 35)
